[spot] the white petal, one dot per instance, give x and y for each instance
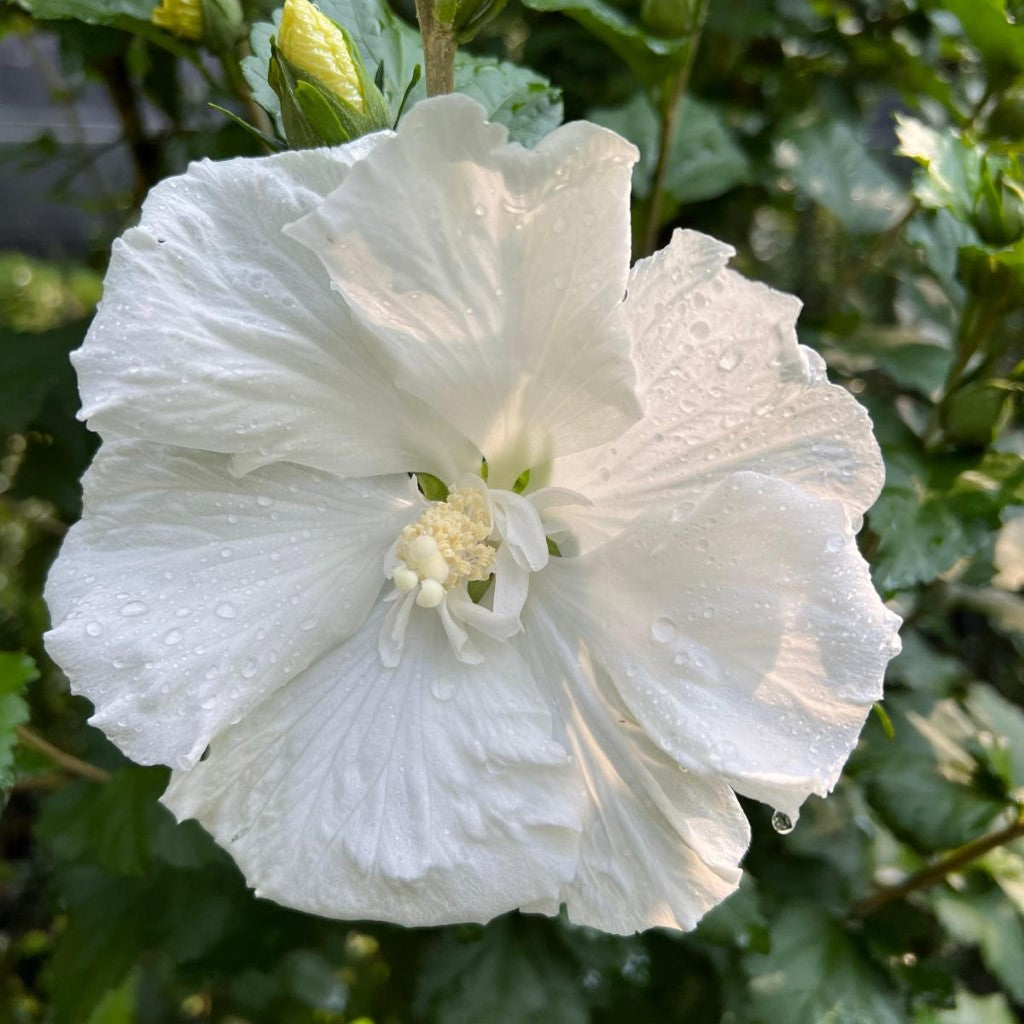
(217, 331)
(725, 387)
(426, 794)
(743, 634)
(184, 596)
(660, 846)
(518, 522)
(492, 275)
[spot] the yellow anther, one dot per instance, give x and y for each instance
(447, 544)
(183, 18)
(314, 44)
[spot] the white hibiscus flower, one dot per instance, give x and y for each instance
(675, 610)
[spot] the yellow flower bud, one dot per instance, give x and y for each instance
(182, 18)
(315, 45)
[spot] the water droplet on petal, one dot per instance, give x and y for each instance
(133, 609)
(442, 689)
(663, 629)
(730, 359)
(172, 637)
(226, 610)
(93, 628)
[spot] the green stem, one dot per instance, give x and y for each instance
(70, 763)
(938, 870)
(673, 90)
(439, 48)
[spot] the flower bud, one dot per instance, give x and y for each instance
(327, 97)
(218, 23)
(667, 17)
(317, 46)
(182, 18)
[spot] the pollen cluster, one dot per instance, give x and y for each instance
(445, 546)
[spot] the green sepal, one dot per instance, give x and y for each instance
(472, 15)
(999, 204)
(315, 116)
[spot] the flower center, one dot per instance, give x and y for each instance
(446, 546)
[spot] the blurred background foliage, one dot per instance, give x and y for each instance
(863, 154)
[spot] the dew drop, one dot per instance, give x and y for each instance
(835, 543)
(309, 623)
(209, 704)
(663, 629)
(133, 609)
(442, 689)
(93, 628)
(730, 359)
(782, 823)
(226, 610)
(264, 501)
(249, 669)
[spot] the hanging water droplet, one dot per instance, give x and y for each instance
(782, 823)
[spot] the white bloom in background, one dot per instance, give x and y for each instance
(675, 610)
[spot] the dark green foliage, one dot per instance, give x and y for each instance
(864, 155)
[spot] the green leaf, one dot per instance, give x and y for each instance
(115, 922)
(913, 364)
(34, 365)
(940, 236)
(951, 166)
(816, 973)
(118, 1005)
(934, 509)
(705, 161)
(514, 96)
(987, 920)
(652, 57)
(829, 163)
(924, 781)
(120, 826)
(738, 920)
(16, 672)
(95, 12)
(987, 24)
(970, 1009)
(508, 973)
